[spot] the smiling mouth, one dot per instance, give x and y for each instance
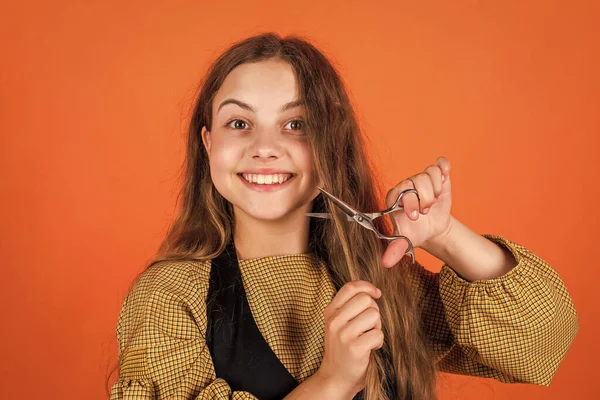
(266, 179)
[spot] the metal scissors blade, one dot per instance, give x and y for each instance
(328, 215)
(395, 207)
(350, 212)
(319, 215)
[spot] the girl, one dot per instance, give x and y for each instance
(249, 298)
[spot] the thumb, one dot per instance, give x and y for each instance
(394, 253)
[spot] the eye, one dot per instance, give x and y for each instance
(295, 125)
(238, 124)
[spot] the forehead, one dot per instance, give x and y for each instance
(268, 83)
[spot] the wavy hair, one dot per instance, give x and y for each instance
(205, 221)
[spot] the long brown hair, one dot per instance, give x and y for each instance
(204, 224)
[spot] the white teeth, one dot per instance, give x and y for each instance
(267, 179)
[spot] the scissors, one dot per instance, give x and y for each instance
(366, 219)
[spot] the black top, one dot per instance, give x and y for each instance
(240, 354)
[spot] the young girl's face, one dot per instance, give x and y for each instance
(260, 159)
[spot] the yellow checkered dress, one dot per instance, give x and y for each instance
(515, 328)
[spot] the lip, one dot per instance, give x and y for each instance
(266, 188)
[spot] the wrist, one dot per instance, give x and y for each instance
(333, 388)
(439, 246)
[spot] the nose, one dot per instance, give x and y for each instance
(266, 144)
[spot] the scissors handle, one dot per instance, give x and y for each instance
(410, 250)
(396, 206)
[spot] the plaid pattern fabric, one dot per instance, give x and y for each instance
(515, 328)
(287, 296)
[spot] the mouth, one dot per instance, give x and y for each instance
(266, 183)
(266, 179)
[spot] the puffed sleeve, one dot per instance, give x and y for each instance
(162, 351)
(516, 328)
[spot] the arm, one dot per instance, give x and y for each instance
(470, 255)
(516, 327)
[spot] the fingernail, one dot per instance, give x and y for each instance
(414, 214)
(426, 210)
(443, 178)
(379, 292)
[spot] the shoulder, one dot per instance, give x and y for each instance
(173, 275)
(168, 298)
(170, 282)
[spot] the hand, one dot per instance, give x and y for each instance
(426, 217)
(352, 331)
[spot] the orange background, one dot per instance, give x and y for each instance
(94, 101)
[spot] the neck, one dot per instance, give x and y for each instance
(256, 238)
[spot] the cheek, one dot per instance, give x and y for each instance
(305, 163)
(304, 158)
(224, 158)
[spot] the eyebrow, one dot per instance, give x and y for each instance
(246, 106)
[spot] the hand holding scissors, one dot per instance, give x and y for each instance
(426, 202)
(366, 219)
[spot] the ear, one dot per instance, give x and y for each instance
(206, 140)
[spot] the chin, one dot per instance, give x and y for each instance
(267, 212)
(268, 215)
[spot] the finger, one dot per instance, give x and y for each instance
(351, 289)
(362, 323)
(444, 164)
(435, 174)
(371, 340)
(410, 201)
(355, 306)
(394, 253)
(424, 187)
